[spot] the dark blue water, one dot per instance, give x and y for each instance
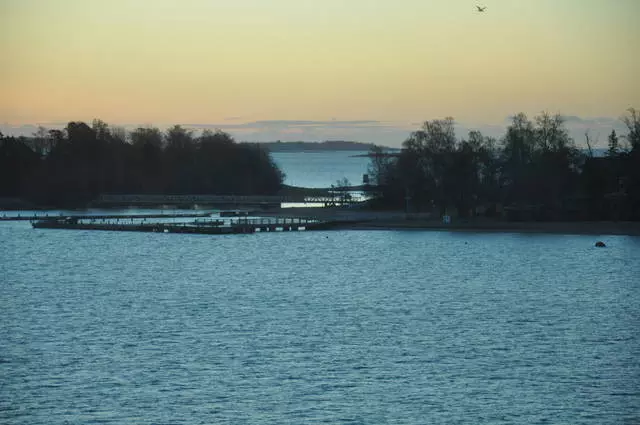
(349, 327)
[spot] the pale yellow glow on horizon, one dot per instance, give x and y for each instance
(190, 61)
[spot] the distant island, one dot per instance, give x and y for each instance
(329, 145)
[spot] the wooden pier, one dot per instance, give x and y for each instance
(210, 227)
(283, 224)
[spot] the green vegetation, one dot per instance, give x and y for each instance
(72, 166)
(534, 172)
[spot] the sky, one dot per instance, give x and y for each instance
(367, 70)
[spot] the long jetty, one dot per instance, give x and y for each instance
(211, 227)
(101, 216)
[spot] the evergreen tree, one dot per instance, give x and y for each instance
(613, 144)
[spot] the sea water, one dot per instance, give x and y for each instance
(322, 169)
(342, 327)
(336, 327)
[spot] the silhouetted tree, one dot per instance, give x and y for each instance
(17, 164)
(72, 166)
(518, 148)
(473, 175)
(613, 144)
(342, 187)
(630, 164)
(632, 121)
(536, 171)
(146, 161)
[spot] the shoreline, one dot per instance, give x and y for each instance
(337, 218)
(564, 228)
(344, 219)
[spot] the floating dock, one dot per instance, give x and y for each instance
(209, 227)
(140, 227)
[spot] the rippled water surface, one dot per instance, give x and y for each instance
(345, 327)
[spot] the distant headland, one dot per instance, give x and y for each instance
(329, 145)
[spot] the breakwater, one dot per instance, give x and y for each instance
(211, 227)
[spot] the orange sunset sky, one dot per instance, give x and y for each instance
(317, 69)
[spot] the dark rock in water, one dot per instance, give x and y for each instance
(600, 244)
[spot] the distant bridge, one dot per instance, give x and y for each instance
(214, 200)
(333, 196)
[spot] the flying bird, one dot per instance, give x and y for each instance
(481, 9)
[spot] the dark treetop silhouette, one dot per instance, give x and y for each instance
(72, 166)
(534, 172)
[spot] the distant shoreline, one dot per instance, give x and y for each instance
(328, 146)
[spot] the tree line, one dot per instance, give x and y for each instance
(72, 166)
(533, 172)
